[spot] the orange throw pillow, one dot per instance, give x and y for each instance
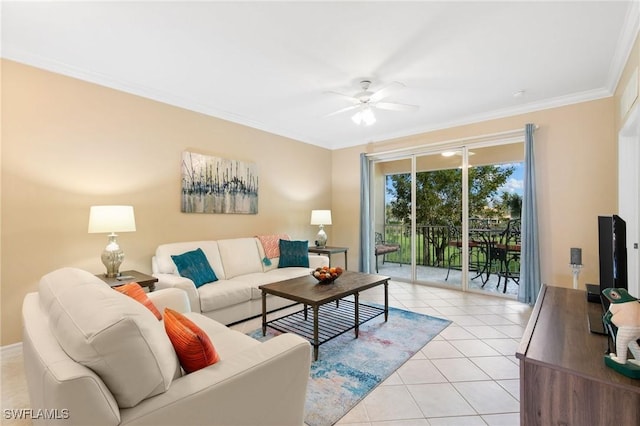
(191, 343)
(136, 292)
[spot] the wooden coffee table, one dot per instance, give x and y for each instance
(328, 321)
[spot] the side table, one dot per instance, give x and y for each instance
(328, 250)
(143, 279)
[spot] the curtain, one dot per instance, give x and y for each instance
(530, 257)
(364, 262)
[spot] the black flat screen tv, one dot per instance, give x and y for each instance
(612, 242)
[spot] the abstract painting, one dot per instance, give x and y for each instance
(218, 185)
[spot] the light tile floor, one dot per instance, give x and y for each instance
(468, 375)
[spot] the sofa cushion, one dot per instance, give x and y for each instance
(110, 333)
(276, 275)
(240, 256)
(193, 346)
(210, 248)
(223, 293)
(136, 292)
(294, 253)
(195, 266)
(253, 281)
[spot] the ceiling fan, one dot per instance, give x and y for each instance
(366, 100)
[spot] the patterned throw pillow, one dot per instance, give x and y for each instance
(271, 244)
(294, 253)
(195, 266)
(191, 343)
(136, 292)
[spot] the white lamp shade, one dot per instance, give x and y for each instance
(106, 219)
(320, 217)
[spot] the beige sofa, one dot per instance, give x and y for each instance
(94, 356)
(240, 267)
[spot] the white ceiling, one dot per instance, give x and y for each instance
(269, 64)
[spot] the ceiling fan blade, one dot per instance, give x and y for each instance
(385, 91)
(392, 106)
(342, 95)
(340, 111)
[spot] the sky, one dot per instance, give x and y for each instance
(516, 180)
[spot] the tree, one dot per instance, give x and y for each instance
(439, 194)
(512, 204)
(439, 199)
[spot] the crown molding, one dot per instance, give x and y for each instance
(560, 101)
(627, 38)
(188, 104)
(146, 92)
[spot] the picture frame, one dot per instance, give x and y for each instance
(218, 185)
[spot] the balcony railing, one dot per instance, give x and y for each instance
(433, 246)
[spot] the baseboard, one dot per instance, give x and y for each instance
(12, 349)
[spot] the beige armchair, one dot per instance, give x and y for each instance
(79, 370)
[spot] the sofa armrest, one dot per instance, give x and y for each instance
(265, 384)
(176, 281)
(173, 298)
(317, 261)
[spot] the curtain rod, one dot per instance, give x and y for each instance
(479, 138)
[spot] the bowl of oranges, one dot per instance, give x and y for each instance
(326, 275)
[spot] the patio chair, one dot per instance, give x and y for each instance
(507, 253)
(382, 249)
(477, 247)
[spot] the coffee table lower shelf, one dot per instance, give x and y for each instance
(333, 320)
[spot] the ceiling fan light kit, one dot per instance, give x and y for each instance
(365, 101)
(364, 116)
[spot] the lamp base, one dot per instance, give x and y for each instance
(321, 238)
(112, 257)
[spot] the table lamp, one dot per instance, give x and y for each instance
(321, 217)
(112, 219)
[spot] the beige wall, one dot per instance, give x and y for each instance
(576, 162)
(68, 144)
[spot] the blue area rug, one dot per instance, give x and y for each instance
(348, 368)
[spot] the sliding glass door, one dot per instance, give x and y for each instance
(495, 193)
(441, 217)
(392, 226)
(439, 206)
(417, 201)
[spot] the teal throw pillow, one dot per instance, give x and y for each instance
(294, 253)
(195, 266)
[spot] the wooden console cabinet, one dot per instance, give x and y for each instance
(563, 378)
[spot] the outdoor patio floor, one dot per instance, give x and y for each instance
(433, 275)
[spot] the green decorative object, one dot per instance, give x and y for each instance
(628, 369)
(623, 322)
